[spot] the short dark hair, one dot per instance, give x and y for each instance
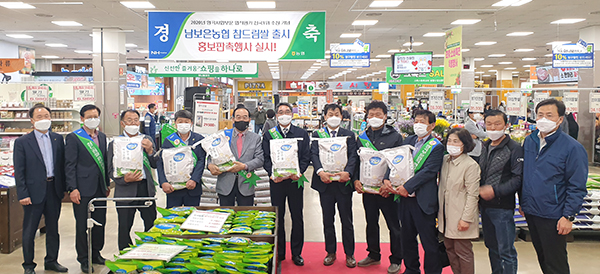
(495, 112)
(285, 104)
(376, 104)
(88, 107)
(186, 114)
(331, 107)
(465, 139)
(270, 113)
(152, 105)
(36, 106)
(423, 112)
(560, 106)
(129, 111)
(240, 107)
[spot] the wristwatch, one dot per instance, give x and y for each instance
(570, 218)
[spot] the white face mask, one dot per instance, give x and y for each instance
(375, 122)
(420, 129)
(92, 123)
(477, 117)
(454, 150)
(545, 125)
(495, 135)
(334, 121)
(184, 128)
(284, 120)
(132, 130)
(42, 125)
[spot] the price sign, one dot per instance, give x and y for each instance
(477, 102)
(594, 102)
(436, 101)
(513, 103)
(205, 221)
(571, 100)
(37, 93)
(153, 252)
(84, 93)
(540, 96)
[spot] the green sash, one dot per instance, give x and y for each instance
(166, 131)
(276, 135)
(250, 177)
(365, 141)
(424, 153)
(94, 151)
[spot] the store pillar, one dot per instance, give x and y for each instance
(467, 81)
(503, 80)
(588, 78)
(110, 77)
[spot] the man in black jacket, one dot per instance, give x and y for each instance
(288, 188)
(381, 136)
(501, 163)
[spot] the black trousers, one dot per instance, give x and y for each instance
(329, 198)
(229, 200)
(550, 247)
(373, 204)
(416, 222)
(126, 215)
(182, 197)
(50, 208)
(80, 210)
(295, 197)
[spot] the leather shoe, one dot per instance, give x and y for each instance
(393, 269)
(350, 261)
(85, 268)
(280, 258)
(329, 260)
(29, 271)
(98, 260)
(298, 260)
(56, 267)
(367, 262)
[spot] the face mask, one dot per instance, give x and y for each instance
(545, 125)
(241, 125)
(184, 128)
(132, 130)
(477, 117)
(420, 129)
(284, 120)
(375, 122)
(334, 121)
(454, 150)
(42, 125)
(92, 123)
(495, 135)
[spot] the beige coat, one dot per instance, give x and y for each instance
(458, 197)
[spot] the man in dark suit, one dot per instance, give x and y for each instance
(333, 186)
(150, 121)
(134, 184)
(190, 195)
(419, 202)
(287, 188)
(40, 192)
(87, 178)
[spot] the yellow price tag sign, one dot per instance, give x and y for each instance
(559, 57)
(337, 56)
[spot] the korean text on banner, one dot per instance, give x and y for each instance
(594, 102)
(513, 103)
(37, 93)
(173, 69)
(85, 93)
(206, 116)
(538, 97)
(578, 55)
(436, 101)
(243, 36)
(571, 100)
(350, 55)
(453, 57)
(435, 77)
(477, 101)
(11, 65)
(201, 220)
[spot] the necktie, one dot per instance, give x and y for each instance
(285, 131)
(333, 133)
(239, 144)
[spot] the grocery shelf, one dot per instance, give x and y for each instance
(53, 109)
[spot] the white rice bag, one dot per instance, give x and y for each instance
(179, 165)
(217, 147)
(401, 164)
(333, 153)
(128, 155)
(372, 169)
(284, 156)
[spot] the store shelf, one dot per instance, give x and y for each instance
(27, 120)
(53, 109)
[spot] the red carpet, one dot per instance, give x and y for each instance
(314, 253)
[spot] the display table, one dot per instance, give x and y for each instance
(11, 221)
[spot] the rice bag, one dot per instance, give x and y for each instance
(284, 156)
(173, 218)
(237, 241)
(121, 267)
(372, 169)
(171, 229)
(178, 165)
(148, 265)
(128, 155)
(333, 154)
(181, 211)
(174, 269)
(241, 230)
(401, 164)
(201, 269)
(217, 147)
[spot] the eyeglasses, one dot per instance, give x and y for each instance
(245, 117)
(284, 112)
(130, 122)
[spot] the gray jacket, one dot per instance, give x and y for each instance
(478, 131)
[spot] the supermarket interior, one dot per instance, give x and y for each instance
(157, 57)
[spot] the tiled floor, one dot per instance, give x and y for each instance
(583, 253)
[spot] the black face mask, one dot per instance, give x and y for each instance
(241, 125)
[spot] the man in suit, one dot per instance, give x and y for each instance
(334, 187)
(419, 202)
(150, 121)
(247, 150)
(189, 196)
(380, 136)
(288, 188)
(40, 192)
(134, 184)
(87, 178)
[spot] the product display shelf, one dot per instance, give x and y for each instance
(28, 120)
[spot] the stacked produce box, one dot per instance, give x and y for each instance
(262, 195)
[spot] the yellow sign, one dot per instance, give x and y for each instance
(253, 85)
(453, 57)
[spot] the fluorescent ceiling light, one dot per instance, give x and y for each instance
(327, 52)
(466, 21)
(465, 50)
(497, 55)
(273, 64)
(528, 59)
(130, 45)
(486, 66)
(520, 3)
(520, 33)
(505, 63)
(393, 50)
(56, 45)
(548, 55)
(512, 68)
(50, 56)
(19, 36)
(385, 4)
(485, 43)
(350, 35)
(327, 57)
(16, 5)
(486, 75)
(138, 4)
(514, 3)
(492, 70)
(438, 56)
(548, 63)
(523, 50)
(364, 22)
(527, 66)
(67, 23)
(434, 34)
(383, 56)
(261, 4)
(83, 51)
(415, 44)
(143, 51)
(555, 43)
(375, 60)
(480, 72)
(568, 21)
(478, 59)
(351, 69)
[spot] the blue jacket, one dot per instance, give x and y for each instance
(554, 180)
(150, 125)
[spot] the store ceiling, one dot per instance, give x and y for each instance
(394, 28)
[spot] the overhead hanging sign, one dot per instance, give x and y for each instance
(85, 93)
(243, 36)
(412, 62)
(248, 85)
(594, 102)
(206, 118)
(11, 65)
(538, 97)
(477, 101)
(453, 57)
(37, 93)
(571, 100)
(173, 69)
(578, 55)
(513, 103)
(435, 77)
(549, 75)
(350, 55)
(436, 101)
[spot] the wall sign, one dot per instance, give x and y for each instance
(435, 77)
(250, 85)
(173, 69)
(578, 55)
(571, 100)
(84, 93)
(37, 93)
(436, 101)
(206, 116)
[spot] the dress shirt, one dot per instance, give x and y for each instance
(45, 144)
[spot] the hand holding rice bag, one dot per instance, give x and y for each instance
(217, 147)
(400, 161)
(128, 155)
(179, 164)
(333, 153)
(284, 156)
(372, 169)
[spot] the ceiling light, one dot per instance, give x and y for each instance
(50, 56)
(138, 4)
(527, 66)
(556, 43)
(568, 21)
(56, 45)
(504, 63)
(486, 66)
(261, 4)
(83, 51)
(327, 56)
(375, 60)
(523, 50)
(466, 21)
(393, 50)
(548, 63)
(350, 35)
(385, 4)
(19, 36)
(514, 3)
(416, 44)
(383, 56)
(364, 22)
(67, 23)
(478, 59)
(465, 50)
(434, 34)
(485, 43)
(492, 70)
(520, 33)
(515, 72)
(480, 72)
(438, 56)
(528, 59)
(143, 51)
(512, 68)
(497, 55)
(130, 45)
(548, 55)
(16, 5)
(521, 2)
(248, 78)
(486, 75)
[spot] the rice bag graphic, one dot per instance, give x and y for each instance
(128, 155)
(179, 165)
(284, 156)
(373, 167)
